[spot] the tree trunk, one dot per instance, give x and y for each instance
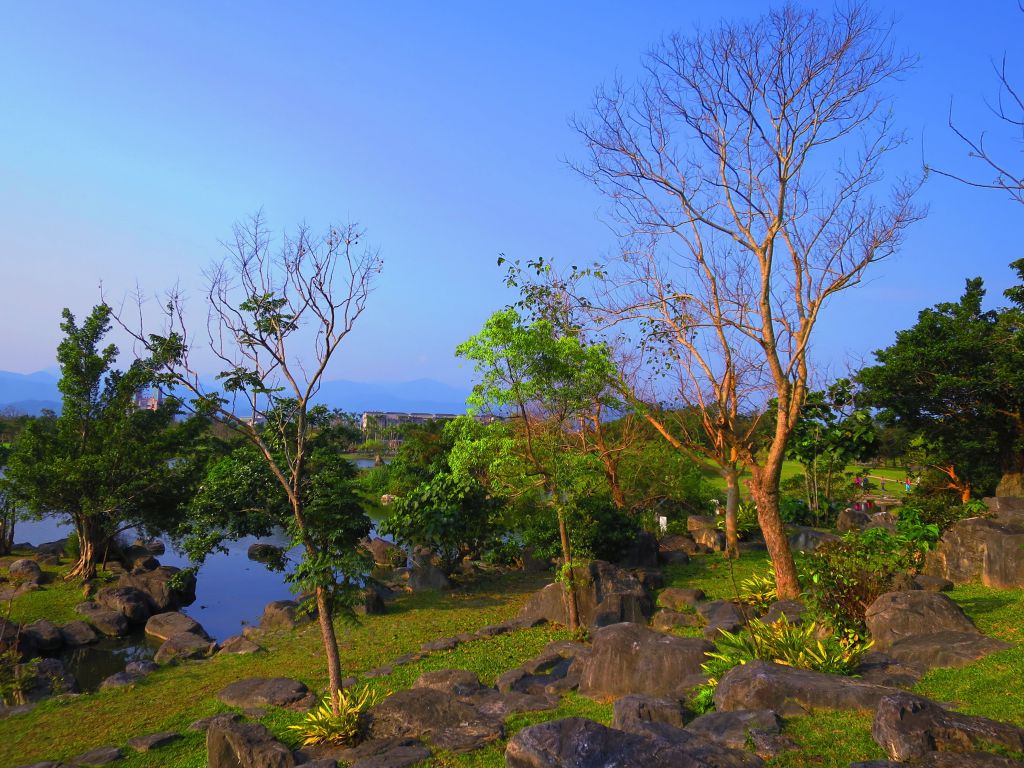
(325, 616)
(732, 503)
(89, 545)
(765, 488)
(6, 531)
(570, 580)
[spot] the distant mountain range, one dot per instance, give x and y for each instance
(33, 392)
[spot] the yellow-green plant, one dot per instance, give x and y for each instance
(322, 726)
(804, 646)
(759, 591)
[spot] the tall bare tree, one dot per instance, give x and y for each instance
(742, 169)
(276, 318)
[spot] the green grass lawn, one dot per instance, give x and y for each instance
(173, 697)
(792, 468)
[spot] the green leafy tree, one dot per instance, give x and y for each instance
(277, 317)
(544, 380)
(103, 463)
(956, 380)
(830, 434)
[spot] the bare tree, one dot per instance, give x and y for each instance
(276, 319)
(1009, 112)
(741, 169)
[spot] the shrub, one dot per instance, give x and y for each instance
(322, 726)
(597, 529)
(844, 577)
(14, 677)
(941, 510)
(746, 519)
(758, 591)
(795, 645)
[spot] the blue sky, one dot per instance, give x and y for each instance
(132, 136)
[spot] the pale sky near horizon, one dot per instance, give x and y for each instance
(132, 136)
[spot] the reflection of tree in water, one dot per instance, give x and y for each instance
(92, 664)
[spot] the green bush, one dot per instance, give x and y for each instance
(941, 510)
(795, 645)
(759, 591)
(844, 577)
(597, 529)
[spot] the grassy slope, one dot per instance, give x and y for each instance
(173, 697)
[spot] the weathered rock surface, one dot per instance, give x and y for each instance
(43, 636)
(77, 633)
(579, 743)
(632, 659)
(132, 603)
(642, 553)
(804, 539)
(385, 552)
(25, 570)
(98, 756)
(281, 614)
(162, 587)
(49, 677)
(264, 691)
(676, 549)
(633, 712)
(163, 626)
(678, 598)
(239, 644)
(153, 741)
(986, 549)
(110, 623)
(435, 715)
(791, 691)
(852, 520)
(605, 594)
(426, 577)
(666, 620)
(184, 645)
(793, 610)
(944, 649)
(733, 729)
(895, 616)
(240, 745)
(908, 727)
(719, 615)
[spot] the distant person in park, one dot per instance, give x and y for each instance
(907, 484)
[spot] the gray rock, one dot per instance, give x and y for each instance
(804, 539)
(852, 520)
(578, 743)
(167, 591)
(42, 635)
(25, 570)
(457, 682)
(932, 583)
(134, 604)
(239, 644)
(441, 644)
(108, 622)
(909, 727)
(793, 610)
(943, 649)
(678, 598)
(791, 691)
(733, 729)
(141, 667)
(78, 633)
(385, 753)
(445, 722)
(153, 741)
(232, 745)
(184, 645)
(164, 626)
(898, 615)
(385, 553)
(630, 711)
(98, 756)
(373, 601)
(642, 553)
(677, 549)
(264, 691)
(119, 680)
(985, 549)
(883, 669)
(605, 595)
(666, 620)
(49, 677)
(719, 615)
(709, 538)
(281, 614)
(426, 577)
(203, 724)
(632, 659)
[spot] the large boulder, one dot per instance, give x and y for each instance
(632, 659)
(926, 630)
(281, 614)
(678, 598)
(427, 577)
(25, 570)
(163, 626)
(244, 745)
(986, 549)
(43, 636)
(605, 595)
(78, 633)
(133, 603)
(48, 677)
(578, 743)
(436, 715)
(677, 548)
(720, 615)
(791, 691)
(385, 553)
(804, 539)
(642, 553)
(634, 713)
(383, 753)
(110, 623)
(898, 615)
(733, 729)
(166, 589)
(264, 691)
(909, 727)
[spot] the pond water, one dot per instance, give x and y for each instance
(231, 592)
